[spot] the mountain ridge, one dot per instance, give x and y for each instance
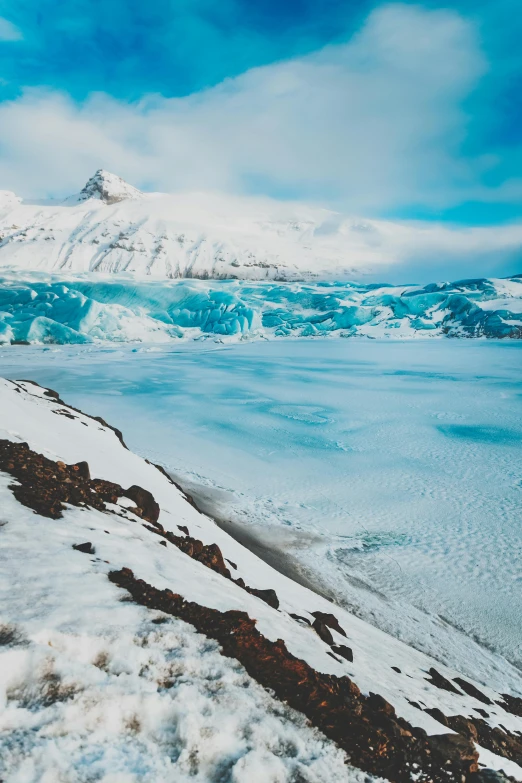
(112, 227)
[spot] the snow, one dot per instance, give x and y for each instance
(108, 188)
(132, 700)
(137, 701)
(391, 472)
(41, 308)
(113, 227)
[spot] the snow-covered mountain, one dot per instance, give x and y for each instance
(108, 188)
(111, 226)
(140, 642)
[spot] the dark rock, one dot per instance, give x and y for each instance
(147, 506)
(62, 412)
(234, 566)
(344, 651)
(184, 529)
(497, 740)
(87, 548)
(47, 392)
(336, 659)
(268, 596)
(46, 486)
(300, 619)
(490, 776)
(437, 714)
(163, 543)
(379, 704)
(470, 689)
(322, 631)
(99, 419)
(512, 704)
(396, 669)
(441, 682)
(366, 727)
(82, 470)
(455, 749)
(211, 556)
(330, 620)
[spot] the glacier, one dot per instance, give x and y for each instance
(42, 308)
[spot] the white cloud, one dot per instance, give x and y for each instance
(373, 124)
(9, 31)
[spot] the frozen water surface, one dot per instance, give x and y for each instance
(391, 470)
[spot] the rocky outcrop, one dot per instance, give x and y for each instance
(366, 727)
(108, 188)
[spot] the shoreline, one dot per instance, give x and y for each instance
(211, 501)
(205, 499)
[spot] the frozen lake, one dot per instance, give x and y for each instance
(393, 470)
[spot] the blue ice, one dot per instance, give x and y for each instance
(48, 309)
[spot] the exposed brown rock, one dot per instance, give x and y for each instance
(46, 486)
(300, 619)
(512, 704)
(344, 651)
(268, 596)
(441, 682)
(330, 620)
(147, 507)
(322, 631)
(470, 689)
(87, 548)
(497, 740)
(367, 728)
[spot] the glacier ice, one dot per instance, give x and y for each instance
(43, 308)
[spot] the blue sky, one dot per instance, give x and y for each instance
(410, 111)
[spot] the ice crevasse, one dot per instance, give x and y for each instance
(49, 309)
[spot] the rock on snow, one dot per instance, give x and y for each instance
(94, 686)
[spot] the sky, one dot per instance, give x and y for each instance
(409, 111)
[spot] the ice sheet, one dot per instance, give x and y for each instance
(393, 470)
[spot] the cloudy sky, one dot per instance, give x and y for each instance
(395, 110)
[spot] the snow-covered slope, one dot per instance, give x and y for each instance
(111, 226)
(40, 308)
(113, 674)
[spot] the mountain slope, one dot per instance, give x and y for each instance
(110, 226)
(117, 598)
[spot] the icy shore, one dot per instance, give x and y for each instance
(95, 684)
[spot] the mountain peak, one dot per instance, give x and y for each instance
(108, 188)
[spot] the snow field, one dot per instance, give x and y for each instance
(93, 689)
